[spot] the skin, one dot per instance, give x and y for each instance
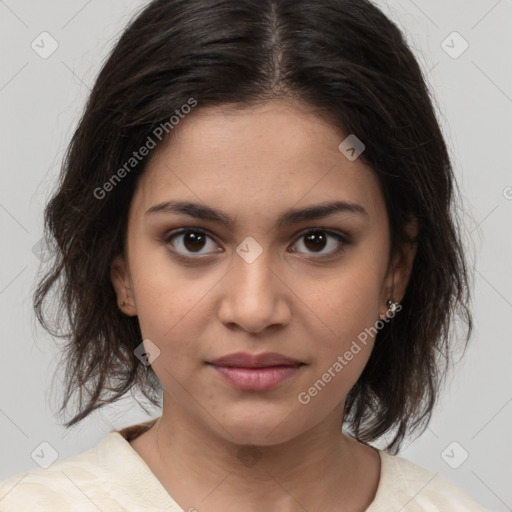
(296, 298)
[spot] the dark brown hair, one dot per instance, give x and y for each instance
(349, 62)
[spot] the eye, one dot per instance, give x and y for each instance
(192, 241)
(317, 239)
(196, 241)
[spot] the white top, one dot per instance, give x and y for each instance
(112, 477)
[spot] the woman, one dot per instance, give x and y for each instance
(254, 223)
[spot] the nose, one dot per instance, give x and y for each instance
(256, 296)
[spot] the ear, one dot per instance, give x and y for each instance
(400, 267)
(121, 281)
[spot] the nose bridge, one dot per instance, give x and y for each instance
(254, 298)
(252, 277)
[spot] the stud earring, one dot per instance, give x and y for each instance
(392, 306)
(123, 304)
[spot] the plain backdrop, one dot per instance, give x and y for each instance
(464, 46)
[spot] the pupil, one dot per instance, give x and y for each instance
(315, 237)
(193, 240)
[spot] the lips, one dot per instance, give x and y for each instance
(255, 372)
(247, 360)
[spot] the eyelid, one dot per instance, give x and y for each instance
(333, 232)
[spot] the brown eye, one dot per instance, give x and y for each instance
(317, 240)
(191, 241)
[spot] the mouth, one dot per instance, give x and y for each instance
(250, 372)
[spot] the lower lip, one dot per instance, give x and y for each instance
(256, 379)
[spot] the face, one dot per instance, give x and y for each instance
(258, 265)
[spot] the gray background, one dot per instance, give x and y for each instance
(41, 100)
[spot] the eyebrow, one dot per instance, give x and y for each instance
(289, 217)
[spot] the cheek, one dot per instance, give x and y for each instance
(346, 307)
(350, 300)
(165, 298)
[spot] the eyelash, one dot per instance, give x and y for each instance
(342, 239)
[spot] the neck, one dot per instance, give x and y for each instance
(204, 471)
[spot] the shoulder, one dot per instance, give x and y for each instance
(111, 477)
(76, 483)
(61, 486)
(411, 488)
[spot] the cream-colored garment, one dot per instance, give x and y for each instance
(112, 477)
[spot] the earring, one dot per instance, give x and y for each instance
(123, 304)
(392, 306)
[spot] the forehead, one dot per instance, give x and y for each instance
(257, 160)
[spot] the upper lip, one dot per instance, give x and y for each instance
(247, 360)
